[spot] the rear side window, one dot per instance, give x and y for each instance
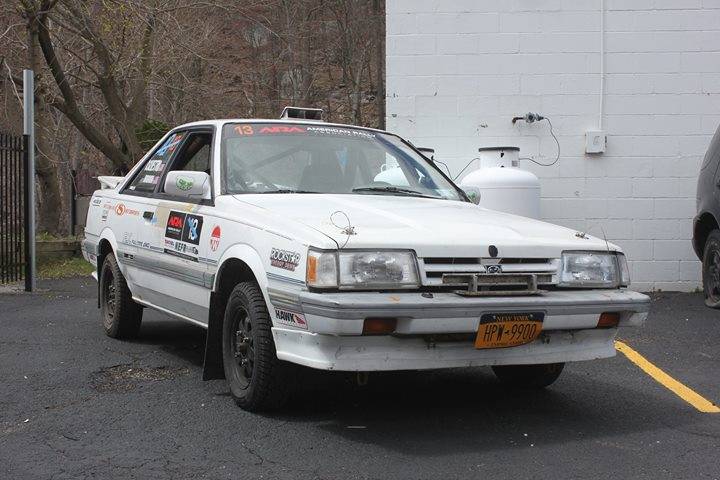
(148, 178)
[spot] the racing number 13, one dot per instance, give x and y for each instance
(244, 130)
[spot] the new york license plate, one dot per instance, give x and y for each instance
(499, 330)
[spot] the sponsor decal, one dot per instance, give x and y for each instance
(154, 166)
(169, 145)
(175, 225)
(282, 129)
(292, 319)
(96, 201)
(104, 216)
(184, 184)
(184, 227)
(193, 227)
(140, 244)
(182, 250)
(215, 238)
(121, 210)
(284, 259)
(341, 131)
(149, 179)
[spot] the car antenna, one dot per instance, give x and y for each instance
(349, 230)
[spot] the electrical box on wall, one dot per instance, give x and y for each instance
(595, 141)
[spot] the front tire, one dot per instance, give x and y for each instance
(711, 270)
(257, 379)
(120, 314)
(528, 376)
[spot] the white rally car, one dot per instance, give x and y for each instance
(291, 244)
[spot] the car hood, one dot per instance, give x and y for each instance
(433, 228)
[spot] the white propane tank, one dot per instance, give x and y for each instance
(502, 185)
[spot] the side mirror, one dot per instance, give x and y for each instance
(472, 192)
(194, 185)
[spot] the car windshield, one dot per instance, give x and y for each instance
(299, 158)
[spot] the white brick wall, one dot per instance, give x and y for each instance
(459, 70)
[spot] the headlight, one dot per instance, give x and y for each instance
(594, 270)
(353, 269)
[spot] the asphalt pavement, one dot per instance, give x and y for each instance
(77, 404)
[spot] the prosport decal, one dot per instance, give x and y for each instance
(284, 259)
(292, 319)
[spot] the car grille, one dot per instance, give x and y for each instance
(432, 269)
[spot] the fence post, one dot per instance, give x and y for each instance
(29, 135)
(27, 186)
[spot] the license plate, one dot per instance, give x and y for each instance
(499, 330)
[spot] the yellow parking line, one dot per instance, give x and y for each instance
(690, 396)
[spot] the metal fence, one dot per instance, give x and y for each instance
(13, 206)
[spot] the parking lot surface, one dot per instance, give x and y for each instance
(77, 404)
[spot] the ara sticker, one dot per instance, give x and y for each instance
(215, 238)
(282, 129)
(284, 259)
(292, 319)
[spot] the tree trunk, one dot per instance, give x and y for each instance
(380, 63)
(50, 218)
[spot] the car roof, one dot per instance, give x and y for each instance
(220, 122)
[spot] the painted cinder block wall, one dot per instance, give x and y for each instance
(459, 70)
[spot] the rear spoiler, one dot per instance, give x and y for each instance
(108, 182)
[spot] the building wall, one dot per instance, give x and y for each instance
(459, 70)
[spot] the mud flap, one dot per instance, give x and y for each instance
(213, 364)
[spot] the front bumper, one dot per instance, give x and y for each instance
(334, 338)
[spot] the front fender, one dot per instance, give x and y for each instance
(250, 257)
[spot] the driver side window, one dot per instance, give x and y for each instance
(194, 154)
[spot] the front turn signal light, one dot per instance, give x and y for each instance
(608, 320)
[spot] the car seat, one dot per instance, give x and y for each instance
(323, 174)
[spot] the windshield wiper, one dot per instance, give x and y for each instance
(287, 190)
(392, 189)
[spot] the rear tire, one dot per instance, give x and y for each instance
(120, 314)
(257, 379)
(711, 270)
(528, 376)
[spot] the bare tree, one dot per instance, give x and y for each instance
(109, 67)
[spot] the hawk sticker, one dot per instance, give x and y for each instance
(291, 319)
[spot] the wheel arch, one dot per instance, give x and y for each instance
(703, 225)
(239, 263)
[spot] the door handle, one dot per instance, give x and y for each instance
(148, 215)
